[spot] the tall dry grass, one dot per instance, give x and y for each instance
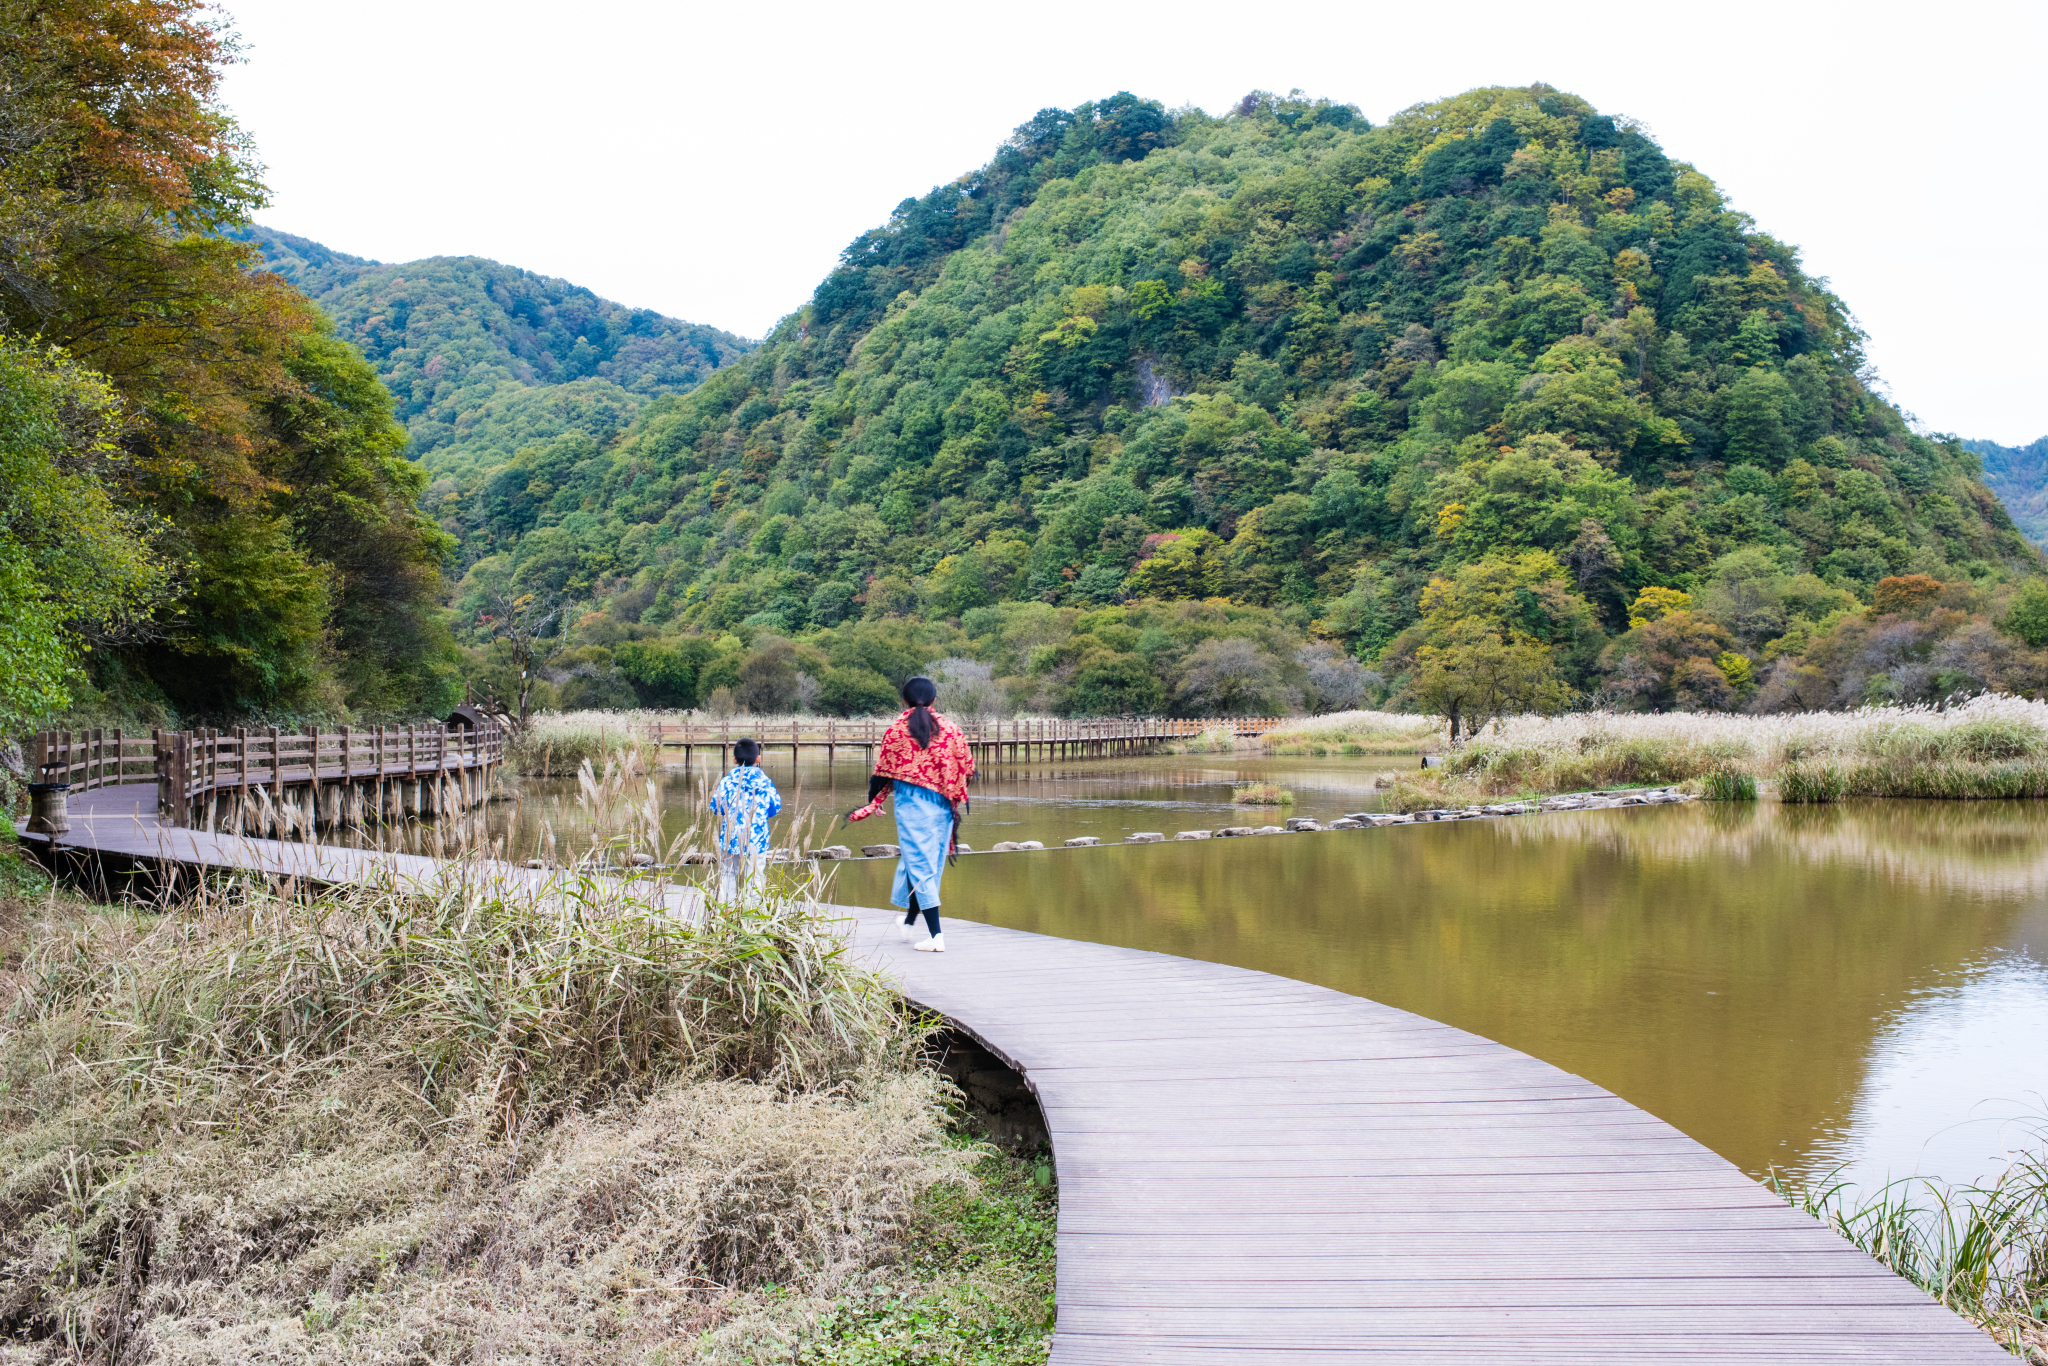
(1356, 733)
(1214, 740)
(556, 744)
(1985, 747)
(442, 1125)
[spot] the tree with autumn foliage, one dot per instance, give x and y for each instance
(1492, 637)
(265, 449)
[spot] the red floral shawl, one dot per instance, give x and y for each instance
(944, 768)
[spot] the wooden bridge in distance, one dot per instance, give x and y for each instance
(992, 742)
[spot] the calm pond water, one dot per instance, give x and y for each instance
(1862, 986)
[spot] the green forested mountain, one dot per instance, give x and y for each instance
(484, 359)
(2019, 476)
(1281, 371)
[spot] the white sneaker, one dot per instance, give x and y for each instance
(935, 944)
(902, 933)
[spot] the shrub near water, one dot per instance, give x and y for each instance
(556, 744)
(398, 1127)
(1726, 784)
(1804, 783)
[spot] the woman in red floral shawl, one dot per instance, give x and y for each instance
(926, 765)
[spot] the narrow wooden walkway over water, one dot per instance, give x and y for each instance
(992, 742)
(1256, 1171)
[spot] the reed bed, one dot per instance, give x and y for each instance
(1261, 794)
(1985, 747)
(1356, 733)
(1215, 740)
(426, 1123)
(1727, 783)
(1980, 1250)
(557, 744)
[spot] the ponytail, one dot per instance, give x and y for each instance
(920, 692)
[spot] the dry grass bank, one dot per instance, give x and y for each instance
(555, 744)
(1356, 733)
(467, 1127)
(1984, 748)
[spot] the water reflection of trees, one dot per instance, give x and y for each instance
(1982, 848)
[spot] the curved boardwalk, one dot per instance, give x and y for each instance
(1255, 1170)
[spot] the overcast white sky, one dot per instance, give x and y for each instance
(711, 161)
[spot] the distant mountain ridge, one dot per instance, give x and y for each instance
(485, 358)
(2019, 476)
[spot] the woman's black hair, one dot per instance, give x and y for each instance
(920, 692)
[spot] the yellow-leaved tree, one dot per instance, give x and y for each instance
(1491, 635)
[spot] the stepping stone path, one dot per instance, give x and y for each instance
(1309, 825)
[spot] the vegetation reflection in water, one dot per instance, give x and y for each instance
(1741, 971)
(1857, 985)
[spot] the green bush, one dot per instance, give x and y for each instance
(855, 692)
(1729, 784)
(1807, 783)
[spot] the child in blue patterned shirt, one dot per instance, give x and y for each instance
(744, 801)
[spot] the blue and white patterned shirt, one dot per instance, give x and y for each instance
(744, 801)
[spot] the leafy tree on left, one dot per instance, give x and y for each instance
(264, 450)
(76, 568)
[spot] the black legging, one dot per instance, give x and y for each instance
(931, 916)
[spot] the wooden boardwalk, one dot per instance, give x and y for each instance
(992, 742)
(1254, 1170)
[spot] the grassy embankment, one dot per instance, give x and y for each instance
(1980, 1250)
(1987, 747)
(404, 1127)
(1356, 734)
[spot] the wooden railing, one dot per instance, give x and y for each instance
(87, 759)
(1007, 738)
(193, 764)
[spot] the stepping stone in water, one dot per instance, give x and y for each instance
(879, 850)
(1146, 837)
(1298, 823)
(1083, 842)
(1346, 824)
(832, 851)
(1004, 847)
(1030, 844)
(1270, 830)
(1235, 832)
(1195, 835)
